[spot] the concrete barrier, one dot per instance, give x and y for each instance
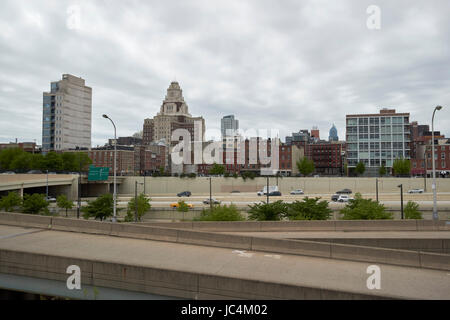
(25, 220)
(81, 225)
(300, 225)
(238, 226)
(308, 248)
(376, 225)
(435, 261)
(432, 225)
(214, 239)
(171, 283)
(375, 255)
(143, 232)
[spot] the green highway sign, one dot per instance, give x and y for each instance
(98, 173)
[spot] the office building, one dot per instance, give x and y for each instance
(333, 136)
(229, 126)
(174, 114)
(377, 139)
(67, 115)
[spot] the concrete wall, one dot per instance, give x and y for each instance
(200, 185)
(182, 234)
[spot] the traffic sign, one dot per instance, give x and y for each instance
(98, 173)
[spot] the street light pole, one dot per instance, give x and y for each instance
(435, 213)
(46, 188)
(425, 160)
(210, 193)
(114, 170)
(401, 198)
(377, 188)
(267, 191)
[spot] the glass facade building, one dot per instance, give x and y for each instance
(377, 139)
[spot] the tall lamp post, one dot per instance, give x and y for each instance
(114, 169)
(136, 201)
(435, 213)
(401, 198)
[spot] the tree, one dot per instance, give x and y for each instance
(217, 169)
(364, 209)
(182, 206)
(401, 166)
(273, 211)
(309, 209)
(63, 203)
(69, 161)
(412, 210)
(221, 213)
(382, 170)
(248, 175)
(21, 163)
(53, 162)
(143, 205)
(101, 208)
(10, 201)
(305, 166)
(360, 168)
(7, 156)
(35, 203)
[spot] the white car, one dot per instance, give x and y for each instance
(214, 201)
(344, 198)
(415, 191)
(298, 191)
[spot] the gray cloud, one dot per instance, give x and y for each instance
(286, 65)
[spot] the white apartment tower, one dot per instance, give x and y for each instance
(67, 115)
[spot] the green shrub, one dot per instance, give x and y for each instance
(273, 211)
(412, 211)
(11, 201)
(101, 208)
(143, 205)
(35, 204)
(309, 209)
(364, 209)
(221, 213)
(182, 206)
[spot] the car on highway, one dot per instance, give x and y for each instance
(34, 172)
(176, 205)
(298, 191)
(334, 197)
(50, 199)
(415, 191)
(275, 194)
(184, 194)
(9, 172)
(344, 198)
(344, 191)
(214, 201)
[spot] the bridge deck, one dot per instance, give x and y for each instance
(346, 276)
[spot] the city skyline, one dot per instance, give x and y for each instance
(288, 67)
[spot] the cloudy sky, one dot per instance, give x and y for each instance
(286, 65)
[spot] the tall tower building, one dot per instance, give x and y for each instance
(173, 115)
(333, 136)
(67, 115)
(229, 126)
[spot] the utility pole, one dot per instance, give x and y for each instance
(135, 203)
(79, 185)
(46, 188)
(267, 191)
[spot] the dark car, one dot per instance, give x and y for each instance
(275, 194)
(35, 172)
(184, 194)
(334, 197)
(345, 191)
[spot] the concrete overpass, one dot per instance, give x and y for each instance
(58, 184)
(222, 260)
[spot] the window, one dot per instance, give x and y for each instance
(443, 155)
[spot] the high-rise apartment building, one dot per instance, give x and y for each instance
(173, 115)
(377, 139)
(67, 115)
(229, 126)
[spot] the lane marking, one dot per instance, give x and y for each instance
(20, 234)
(243, 253)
